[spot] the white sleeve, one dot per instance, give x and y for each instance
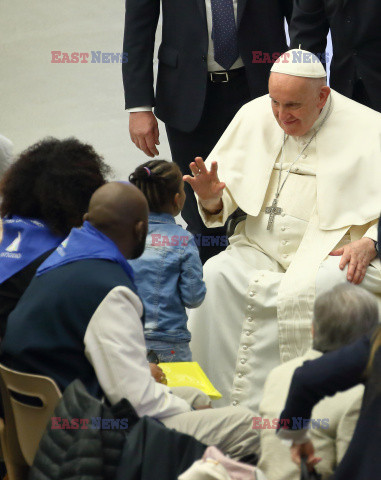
(297, 437)
(115, 346)
(372, 232)
(219, 219)
(146, 108)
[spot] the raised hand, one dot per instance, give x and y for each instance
(206, 184)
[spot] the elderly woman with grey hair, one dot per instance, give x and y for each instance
(341, 316)
(337, 315)
(337, 371)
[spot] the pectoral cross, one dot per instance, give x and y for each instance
(273, 210)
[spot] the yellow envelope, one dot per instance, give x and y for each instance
(189, 374)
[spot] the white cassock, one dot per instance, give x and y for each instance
(260, 292)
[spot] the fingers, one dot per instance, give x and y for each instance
(351, 270)
(213, 171)
(295, 455)
(358, 274)
(360, 277)
(312, 461)
(338, 252)
(189, 179)
(156, 135)
(220, 187)
(142, 144)
(194, 169)
(345, 259)
(151, 144)
(200, 165)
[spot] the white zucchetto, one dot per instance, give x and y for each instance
(299, 63)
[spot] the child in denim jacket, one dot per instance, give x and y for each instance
(169, 273)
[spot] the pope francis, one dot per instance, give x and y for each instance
(304, 163)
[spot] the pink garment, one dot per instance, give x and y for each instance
(214, 465)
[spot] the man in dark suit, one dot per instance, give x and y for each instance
(202, 81)
(356, 37)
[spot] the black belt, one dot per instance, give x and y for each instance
(225, 75)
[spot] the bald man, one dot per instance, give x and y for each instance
(83, 318)
(304, 163)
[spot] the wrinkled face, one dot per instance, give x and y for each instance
(296, 102)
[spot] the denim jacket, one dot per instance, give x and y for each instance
(169, 278)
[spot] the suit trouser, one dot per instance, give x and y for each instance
(222, 102)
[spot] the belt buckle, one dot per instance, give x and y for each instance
(219, 73)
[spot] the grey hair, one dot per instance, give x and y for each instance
(342, 315)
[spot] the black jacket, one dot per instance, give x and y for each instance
(182, 76)
(356, 38)
(146, 450)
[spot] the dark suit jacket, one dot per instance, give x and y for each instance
(182, 76)
(356, 37)
(338, 371)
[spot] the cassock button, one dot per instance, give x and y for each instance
(244, 347)
(250, 307)
(243, 361)
(283, 229)
(248, 334)
(235, 403)
(283, 214)
(304, 156)
(249, 319)
(240, 375)
(284, 242)
(256, 280)
(252, 293)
